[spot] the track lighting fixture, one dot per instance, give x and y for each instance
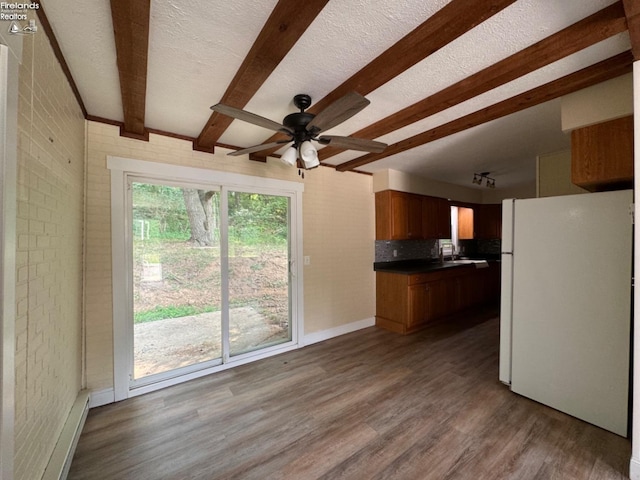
(479, 177)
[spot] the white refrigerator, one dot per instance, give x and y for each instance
(565, 310)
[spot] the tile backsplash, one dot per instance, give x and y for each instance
(405, 250)
(489, 247)
(425, 249)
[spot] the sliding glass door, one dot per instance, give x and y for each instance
(210, 275)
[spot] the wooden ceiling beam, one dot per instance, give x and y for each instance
(442, 28)
(600, 72)
(632, 12)
(131, 32)
(593, 29)
(286, 24)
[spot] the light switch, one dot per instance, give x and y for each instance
(307, 260)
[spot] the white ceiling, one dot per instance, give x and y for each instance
(196, 47)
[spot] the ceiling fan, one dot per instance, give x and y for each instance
(303, 128)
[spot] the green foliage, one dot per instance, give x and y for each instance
(159, 213)
(177, 311)
(257, 218)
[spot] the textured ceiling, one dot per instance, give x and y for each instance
(197, 46)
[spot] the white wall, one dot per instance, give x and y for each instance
(48, 192)
(10, 57)
(605, 101)
(554, 175)
(396, 180)
(499, 194)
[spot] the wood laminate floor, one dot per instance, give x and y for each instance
(367, 405)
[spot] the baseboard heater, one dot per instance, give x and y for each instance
(60, 461)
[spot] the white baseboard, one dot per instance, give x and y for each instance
(316, 337)
(634, 469)
(102, 397)
(60, 461)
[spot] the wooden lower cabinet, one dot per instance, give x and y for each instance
(444, 297)
(419, 305)
(407, 303)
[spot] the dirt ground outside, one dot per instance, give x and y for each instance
(178, 275)
(168, 344)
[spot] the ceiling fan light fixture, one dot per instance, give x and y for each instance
(289, 156)
(309, 155)
(302, 127)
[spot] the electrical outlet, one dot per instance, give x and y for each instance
(395, 253)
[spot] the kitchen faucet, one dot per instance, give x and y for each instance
(453, 252)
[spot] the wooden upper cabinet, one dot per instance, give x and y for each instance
(407, 216)
(488, 221)
(465, 223)
(436, 217)
(391, 222)
(602, 155)
(415, 217)
(444, 218)
(398, 215)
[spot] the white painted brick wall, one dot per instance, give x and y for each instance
(48, 257)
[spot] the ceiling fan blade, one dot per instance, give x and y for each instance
(249, 117)
(339, 111)
(257, 148)
(351, 143)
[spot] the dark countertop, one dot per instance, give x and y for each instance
(409, 267)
